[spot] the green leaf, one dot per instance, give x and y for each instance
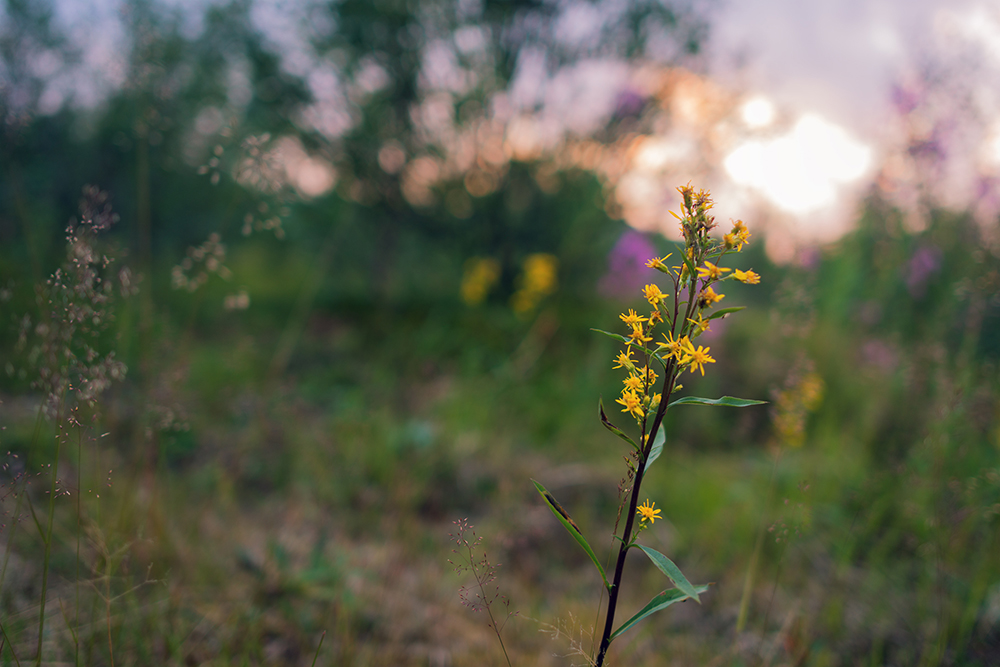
(661, 601)
(573, 529)
(727, 401)
(667, 567)
(617, 337)
(657, 449)
(614, 429)
(725, 311)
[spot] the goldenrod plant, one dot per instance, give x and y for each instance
(678, 316)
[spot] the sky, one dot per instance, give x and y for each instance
(795, 111)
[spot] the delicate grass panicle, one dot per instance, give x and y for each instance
(63, 350)
(485, 594)
(658, 346)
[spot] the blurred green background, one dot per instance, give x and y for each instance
(350, 321)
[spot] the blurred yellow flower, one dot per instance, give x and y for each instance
(481, 273)
(538, 280)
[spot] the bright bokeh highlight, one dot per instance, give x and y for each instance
(802, 171)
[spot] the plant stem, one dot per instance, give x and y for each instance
(669, 381)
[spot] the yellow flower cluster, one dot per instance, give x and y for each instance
(683, 310)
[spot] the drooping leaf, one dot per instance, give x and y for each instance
(726, 401)
(614, 429)
(661, 601)
(574, 530)
(667, 567)
(723, 312)
(657, 449)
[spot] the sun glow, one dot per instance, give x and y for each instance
(801, 171)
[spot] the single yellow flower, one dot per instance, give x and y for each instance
(624, 360)
(632, 403)
(638, 336)
(657, 263)
(650, 375)
(709, 297)
(748, 276)
(647, 511)
(653, 294)
(631, 318)
(711, 271)
(697, 358)
(674, 347)
(655, 318)
(700, 325)
(633, 382)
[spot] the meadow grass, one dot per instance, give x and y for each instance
(242, 515)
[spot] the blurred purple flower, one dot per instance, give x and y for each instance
(628, 103)
(925, 262)
(879, 355)
(627, 271)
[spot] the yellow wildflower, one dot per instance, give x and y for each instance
(624, 360)
(748, 276)
(741, 235)
(709, 297)
(700, 325)
(697, 358)
(674, 347)
(711, 271)
(632, 403)
(647, 511)
(657, 263)
(650, 375)
(633, 382)
(638, 336)
(655, 318)
(631, 318)
(653, 294)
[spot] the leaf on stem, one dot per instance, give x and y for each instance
(667, 567)
(725, 401)
(617, 337)
(723, 312)
(661, 601)
(573, 529)
(614, 429)
(657, 449)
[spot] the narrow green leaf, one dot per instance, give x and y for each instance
(727, 401)
(667, 567)
(573, 529)
(657, 449)
(614, 429)
(661, 601)
(618, 337)
(725, 311)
